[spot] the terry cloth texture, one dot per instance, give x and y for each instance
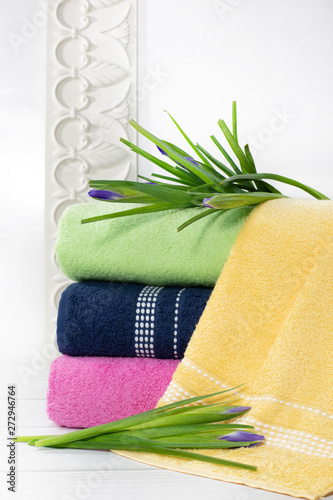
(269, 324)
(84, 392)
(146, 248)
(125, 319)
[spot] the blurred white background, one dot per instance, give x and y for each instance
(195, 57)
(273, 58)
(22, 96)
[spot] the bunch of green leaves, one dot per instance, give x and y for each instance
(166, 430)
(204, 181)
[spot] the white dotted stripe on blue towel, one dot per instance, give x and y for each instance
(175, 333)
(139, 322)
(299, 406)
(145, 321)
(146, 304)
(153, 295)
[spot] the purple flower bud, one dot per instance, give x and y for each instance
(238, 409)
(242, 437)
(104, 195)
(161, 151)
(191, 160)
(188, 158)
(206, 202)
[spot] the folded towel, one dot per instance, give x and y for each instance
(83, 392)
(124, 319)
(269, 324)
(146, 248)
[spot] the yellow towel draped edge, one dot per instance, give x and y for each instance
(269, 325)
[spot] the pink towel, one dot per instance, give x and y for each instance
(87, 391)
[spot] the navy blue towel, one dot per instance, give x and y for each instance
(123, 319)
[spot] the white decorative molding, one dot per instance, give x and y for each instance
(91, 95)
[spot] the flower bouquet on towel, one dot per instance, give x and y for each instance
(267, 324)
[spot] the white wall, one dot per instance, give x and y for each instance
(22, 94)
(268, 55)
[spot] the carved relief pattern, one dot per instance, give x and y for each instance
(91, 82)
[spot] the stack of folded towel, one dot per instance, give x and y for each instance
(267, 325)
(141, 289)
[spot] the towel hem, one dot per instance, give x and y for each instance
(221, 477)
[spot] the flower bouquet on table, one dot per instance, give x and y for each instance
(166, 430)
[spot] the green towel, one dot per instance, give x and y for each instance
(146, 248)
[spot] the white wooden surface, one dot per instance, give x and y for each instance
(83, 475)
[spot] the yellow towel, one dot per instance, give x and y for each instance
(269, 324)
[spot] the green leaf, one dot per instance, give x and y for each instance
(249, 156)
(182, 187)
(165, 177)
(175, 430)
(265, 186)
(197, 151)
(196, 218)
(234, 200)
(26, 439)
(286, 180)
(126, 422)
(184, 418)
(243, 160)
(212, 170)
(179, 173)
(234, 120)
(261, 185)
(195, 399)
(196, 456)
(178, 149)
(188, 415)
(226, 155)
(203, 458)
(115, 442)
(158, 447)
(197, 442)
(157, 207)
(216, 162)
(159, 432)
(124, 188)
(196, 180)
(164, 193)
(138, 199)
(203, 188)
(34, 441)
(195, 169)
